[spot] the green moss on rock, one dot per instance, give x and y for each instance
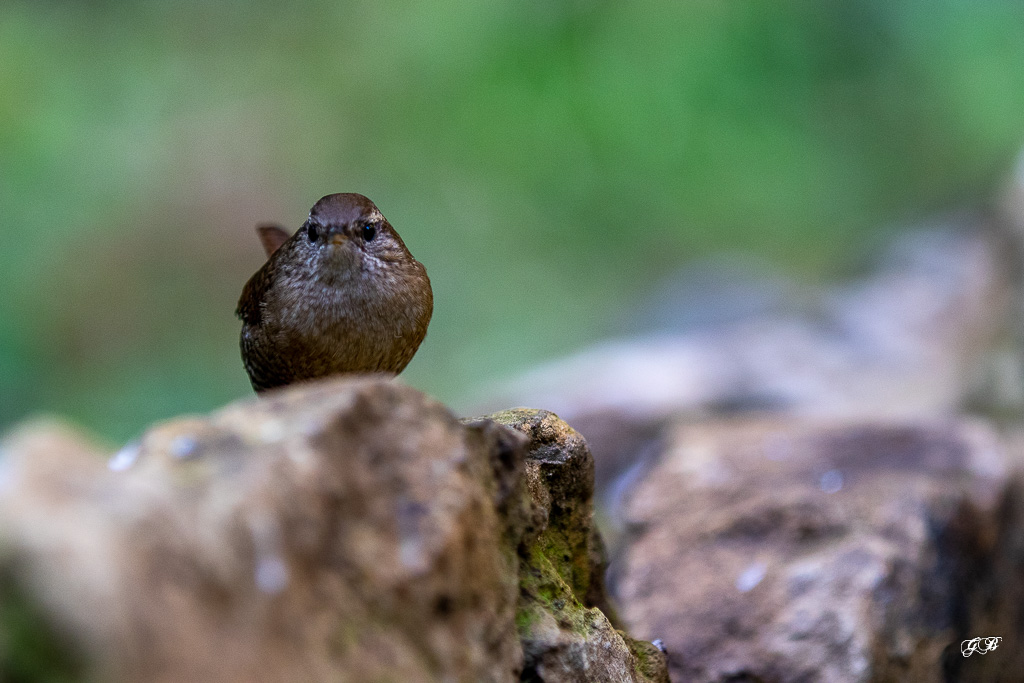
(564, 617)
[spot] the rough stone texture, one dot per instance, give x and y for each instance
(803, 550)
(351, 530)
(566, 635)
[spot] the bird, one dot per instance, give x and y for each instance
(343, 295)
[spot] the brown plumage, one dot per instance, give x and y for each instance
(341, 295)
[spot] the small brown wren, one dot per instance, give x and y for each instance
(341, 295)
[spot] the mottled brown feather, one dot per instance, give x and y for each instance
(341, 295)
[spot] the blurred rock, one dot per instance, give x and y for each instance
(817, 550)
(722, 290)
(348, 531)
(899, 340)
(917, 337)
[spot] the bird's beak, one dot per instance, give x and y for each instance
(338, 238)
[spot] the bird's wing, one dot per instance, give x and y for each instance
(253, 295)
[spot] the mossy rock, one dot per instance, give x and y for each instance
(565, 620)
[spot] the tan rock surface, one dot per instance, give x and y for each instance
(341, 532)
(350, 530)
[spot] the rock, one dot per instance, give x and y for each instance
(37, 643)
(564, 612)
(350, 530)
(342, 532)
(820, 550)
(918, 337)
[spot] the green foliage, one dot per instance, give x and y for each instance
(547, 161)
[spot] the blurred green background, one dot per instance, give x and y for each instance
(548, 160)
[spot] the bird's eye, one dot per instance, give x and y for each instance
(369, 232)
(313, 230)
